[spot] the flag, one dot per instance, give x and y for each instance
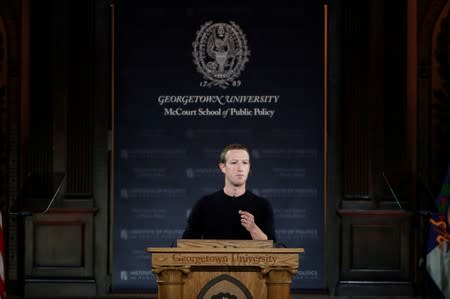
(2, 268)
(438, 247)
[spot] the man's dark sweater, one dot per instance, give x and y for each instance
(216, 216)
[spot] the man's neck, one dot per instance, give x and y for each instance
(234, 191)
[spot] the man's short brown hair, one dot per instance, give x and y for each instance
(233, 146)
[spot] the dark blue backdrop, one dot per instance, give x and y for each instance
(164, 163)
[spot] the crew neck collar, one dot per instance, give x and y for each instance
(234, 197)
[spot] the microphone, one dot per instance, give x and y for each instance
(423, 213)
(392, 191)
(54, 195)
(29, 213)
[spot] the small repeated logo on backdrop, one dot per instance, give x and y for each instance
(123, 275)
(220, 53)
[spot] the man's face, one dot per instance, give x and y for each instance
(236, 167)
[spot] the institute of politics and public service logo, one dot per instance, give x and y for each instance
(220, 53)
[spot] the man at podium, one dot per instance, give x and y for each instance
(233, 212)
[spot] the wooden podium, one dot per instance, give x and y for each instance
(210, 269)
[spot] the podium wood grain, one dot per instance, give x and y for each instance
(184, 271)
(189, 243)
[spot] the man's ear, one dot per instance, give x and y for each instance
(222, 167)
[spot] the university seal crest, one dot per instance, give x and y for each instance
(220, 53)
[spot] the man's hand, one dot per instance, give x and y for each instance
(248, 221)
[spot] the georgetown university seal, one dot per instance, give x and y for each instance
(220, 53)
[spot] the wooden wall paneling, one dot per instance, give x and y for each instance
(80, 135)
(40, 130)
(16, 24)
(4, 106)
(8, 141)
(376, 236)
(375, 102)
(59, 62)
(377, 253)
(355, 113)
(59, 247)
